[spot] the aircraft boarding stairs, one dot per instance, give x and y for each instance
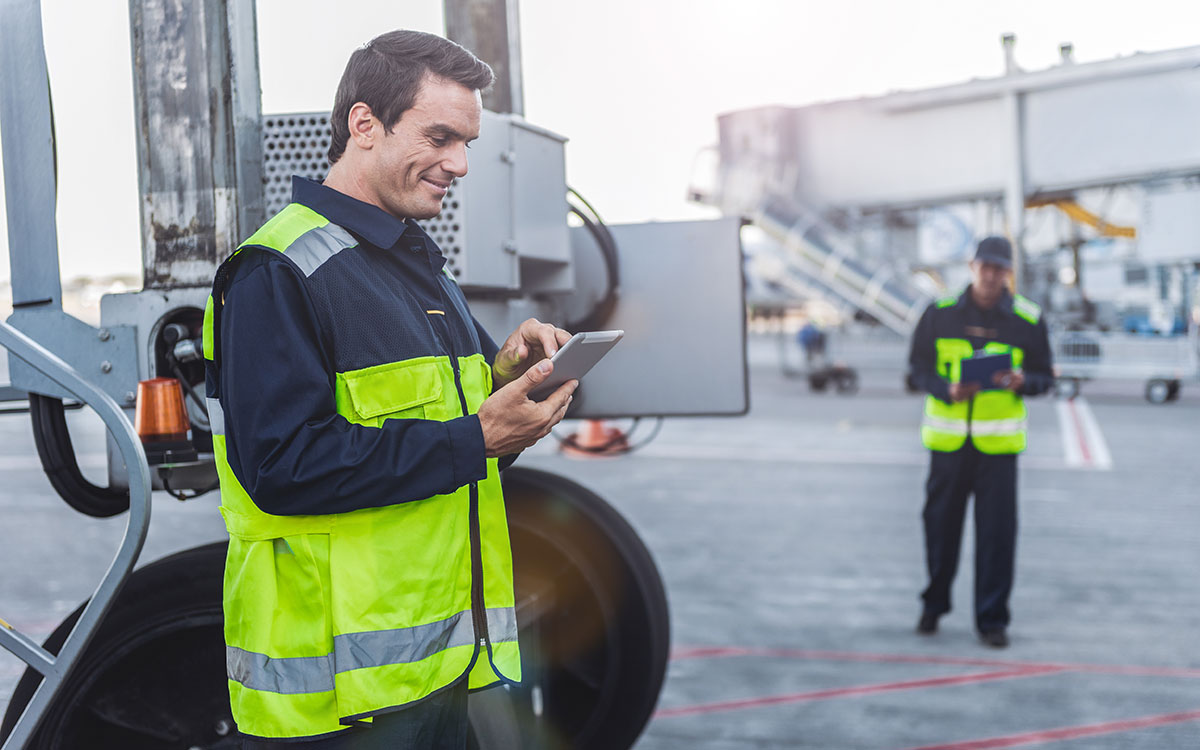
(818, 255)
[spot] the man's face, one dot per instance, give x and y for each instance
(412, 167)
(988, 281)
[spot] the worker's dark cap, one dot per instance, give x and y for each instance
(995, 250)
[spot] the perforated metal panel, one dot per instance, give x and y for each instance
(294, 144)
(298, 144)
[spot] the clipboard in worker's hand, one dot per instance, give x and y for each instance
(981, 368)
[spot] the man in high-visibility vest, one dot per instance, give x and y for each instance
(975, 431)
(358, 413)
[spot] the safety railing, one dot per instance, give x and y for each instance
(55, 669)
(815, 252)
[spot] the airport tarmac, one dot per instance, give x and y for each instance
(790, 543)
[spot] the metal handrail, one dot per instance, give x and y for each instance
(56, 669)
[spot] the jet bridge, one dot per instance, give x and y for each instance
(1024, 138)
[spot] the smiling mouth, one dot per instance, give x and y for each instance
(441, 187)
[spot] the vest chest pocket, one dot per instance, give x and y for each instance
(412, 389)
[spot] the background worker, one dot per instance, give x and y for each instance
(975, 432)
(358, 414)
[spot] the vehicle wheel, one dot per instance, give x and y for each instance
(591, 610)
(1173, 388)
(1158, 391)
(847, 382)
(1067, 387)
(817, 383)
(154, 674)
(592, 614)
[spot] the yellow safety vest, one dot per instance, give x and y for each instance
(330, 619)
(994, 420)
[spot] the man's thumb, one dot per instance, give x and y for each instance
(538, 373)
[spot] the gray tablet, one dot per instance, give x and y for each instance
(575, 358)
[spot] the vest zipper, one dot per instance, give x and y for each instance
(478, 613)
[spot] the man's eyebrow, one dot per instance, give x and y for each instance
(446, 130)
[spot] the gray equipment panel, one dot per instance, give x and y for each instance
(682, 308)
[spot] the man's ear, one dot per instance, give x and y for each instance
(362, 123)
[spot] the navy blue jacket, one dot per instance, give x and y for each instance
(966, 320)
(284, 335)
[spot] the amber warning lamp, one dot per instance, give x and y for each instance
(161, 422)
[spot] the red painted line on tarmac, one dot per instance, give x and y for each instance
(712, 652)
(702, 652)
(1067, 733)
(775, 700)
(1080, 435)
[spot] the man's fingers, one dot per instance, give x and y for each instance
(549, 340)
(559, 398)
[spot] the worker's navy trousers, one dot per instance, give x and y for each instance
(993, 481)
(437, 723)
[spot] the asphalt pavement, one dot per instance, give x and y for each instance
(790, 543)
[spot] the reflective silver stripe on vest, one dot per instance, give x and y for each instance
(502, 625)
(945, 425)
(298, 674)
(216, 416)
(314, 247)
(378, 648)
(403, 646)
(998, 426)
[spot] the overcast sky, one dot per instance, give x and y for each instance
(635, 84)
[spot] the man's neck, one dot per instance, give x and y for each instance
(983, 304)
(348, 181)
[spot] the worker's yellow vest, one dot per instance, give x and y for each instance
(333, 618)
(994, 420)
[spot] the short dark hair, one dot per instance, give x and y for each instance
(386, 74)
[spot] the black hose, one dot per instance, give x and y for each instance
(53, 441)
(599, 314)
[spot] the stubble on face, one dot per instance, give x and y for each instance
(426, 150)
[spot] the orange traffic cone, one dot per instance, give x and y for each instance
(595, 439)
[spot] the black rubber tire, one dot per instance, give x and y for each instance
(1158, 391)
(847, 382)
(593, 615)
(154, 674)
(1067, 387)
(1173, 389)
(591, 608)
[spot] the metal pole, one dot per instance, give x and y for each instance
(28, 147)
(197, 99)
(491, 29)
(1014, 191)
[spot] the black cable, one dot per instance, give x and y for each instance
(53, 441)
(596, 317)
(164, 475)
(625, 435)
(173, 363)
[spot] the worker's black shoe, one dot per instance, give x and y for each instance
(997, 638)
(927, 625)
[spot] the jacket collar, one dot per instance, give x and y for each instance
(369, 222)
(1004, 304)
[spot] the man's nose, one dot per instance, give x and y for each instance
(456, 162)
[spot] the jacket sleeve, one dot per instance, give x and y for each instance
(922, 359)
(286, 443)
(1038, 369)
